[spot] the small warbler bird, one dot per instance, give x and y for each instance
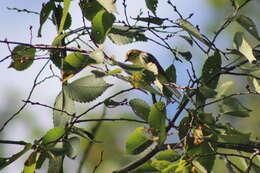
(149, 62)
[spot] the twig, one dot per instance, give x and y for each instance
(28, 98)
(109, 119)
(99, 163)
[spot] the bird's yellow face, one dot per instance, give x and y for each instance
(133, 56)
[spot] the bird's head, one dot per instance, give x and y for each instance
(133, 55)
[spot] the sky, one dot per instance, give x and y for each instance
(15, 86)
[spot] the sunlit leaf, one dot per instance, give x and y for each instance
(23, 57)
(140, 108)
(64, 14)
(30, 163)
(238, 3)
(65, 107)
(86, 89)
(244, 47)
(156, 120)
(109, 5)
(97, 55)
(256, 85)
(169, 155)
(210, 69)
(199, 167)
(138, 141)
(248, 24)
(101, 25)
(53, 135)
(121, 35)
(76, 61)
(225, 88)
(152, 5)
(145, 168)
(187, 26)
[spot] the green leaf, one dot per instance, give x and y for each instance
(109, 5)
(171, 73)
(187, 26)
(183, 128)
(238, 3)
(244, 47)
(204, 148)
(83, 133)
(76, 61)
(41, 159)
(145, 168)
(161, 165)
(55, 164)
(30, 163)
(138, 141)
(86, 89)
(225, 88)
(66, 105)
(199, 167)
(168, 155)
(232, 106)
(97, 55)
(152, 5)
(156, 120)
(73, 145)
(206, 118)
(248, 24)
(207, 92)
(44, 14)
(210, 68)
(57, 56)
(256, 85)
(64, 14)
(130, 68)
(7, 161)
(231, 135)
(186, 55)
(23, 57)
(90, 8)
(101, 25)
(140, 108)
(188, 39)
(53, 135)
(151, 19)
(121, 35)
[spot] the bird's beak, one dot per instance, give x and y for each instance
(126, 60)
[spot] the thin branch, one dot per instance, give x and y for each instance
(111, 119)
(100, 103)
(47, 106)
(28, 98)
(13, 142)
(99, 163)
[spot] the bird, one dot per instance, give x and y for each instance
(150, 63)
